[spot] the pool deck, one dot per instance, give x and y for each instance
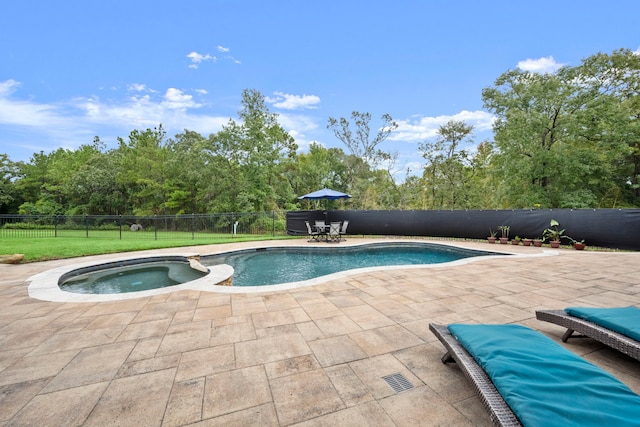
(308, 356)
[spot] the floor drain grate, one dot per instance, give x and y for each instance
(398, 382)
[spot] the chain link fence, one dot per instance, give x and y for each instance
(144, 227)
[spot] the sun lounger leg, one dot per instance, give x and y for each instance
(446, 358)
(567, 335)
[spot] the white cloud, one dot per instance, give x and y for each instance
(7, 87)
(421, 128)
(544, 65)
(73, 122)
(197, 58)
(223, 49)
(293, 102)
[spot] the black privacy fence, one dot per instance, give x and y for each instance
(606, 228)
(143, 227)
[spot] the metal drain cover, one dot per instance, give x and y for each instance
(398, 382)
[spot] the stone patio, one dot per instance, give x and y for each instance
(311, 356)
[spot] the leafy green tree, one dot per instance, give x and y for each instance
(566, 139)
(448, 166)
(8, 194)
(141, 170)
(256, 150)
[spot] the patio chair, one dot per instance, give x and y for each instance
(526, 378)
(618, 328)
(313, 235)
(343, 230)
(334, 232)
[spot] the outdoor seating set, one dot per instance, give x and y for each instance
(332, 232)
(526, 378)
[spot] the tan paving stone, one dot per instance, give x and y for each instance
(280, 317)
(336, 350)
(310, 331)
(247, 305)
(185, 403)
(295, 365)
(213, 312)
(15, 396)
(207, 361)
(35, 367)
(303, 396)
(337, 325)
(137, 400)
(184, 341)
(229, 334)
(320, 309)
(135, 331)
(148, 365)
(368, 414)
(236, 390)
(367, 317)
(68, 407)
(91, 365)
(384, 340)
(270, 349)
(350, 388)
(145, 349)
(277, 302)
(109, 320)
(258, 416)
(421, 406)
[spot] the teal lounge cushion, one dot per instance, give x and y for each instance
(545, 384)
(625, 320)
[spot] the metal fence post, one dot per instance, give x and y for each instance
(86, 226)
(155, 227)
(273, 223)
(193, 226)
(55, 226)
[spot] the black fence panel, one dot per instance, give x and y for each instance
(155, 227)
(609, 228)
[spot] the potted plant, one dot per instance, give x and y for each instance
(553, 234)
(492, 236)
(516, 240)
(504, 237)
(537, 242)
(577, 245)
(526, 241)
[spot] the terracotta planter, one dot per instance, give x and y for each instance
(491, 239)
(526, 242)
(504, 240)
(515, 242)
(579, 246)
(554, 243)
(537, 243)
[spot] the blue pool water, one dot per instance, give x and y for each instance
(283, 265)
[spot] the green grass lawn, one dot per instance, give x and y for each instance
(44, 248)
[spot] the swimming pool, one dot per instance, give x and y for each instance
(270, 266)
(45, 285)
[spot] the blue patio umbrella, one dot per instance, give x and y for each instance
(326, 194)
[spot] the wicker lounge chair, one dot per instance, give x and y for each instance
(525, 378)
(499, 411)
(616, 340)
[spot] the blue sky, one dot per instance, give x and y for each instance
(71, 70)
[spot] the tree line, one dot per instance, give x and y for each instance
(569, 139)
